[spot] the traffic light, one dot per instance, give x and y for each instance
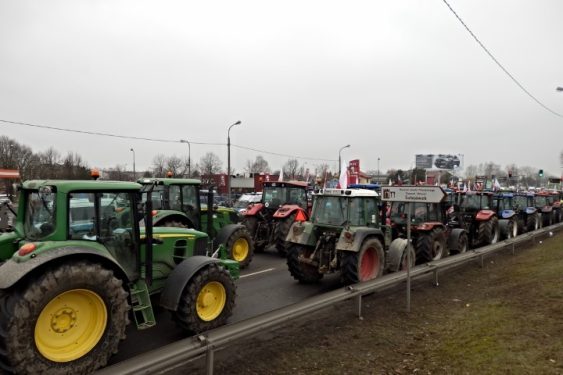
(540, 173)
(509, 174)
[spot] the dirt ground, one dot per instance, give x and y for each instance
(504, 318)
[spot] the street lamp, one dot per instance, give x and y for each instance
(134, 174)
(339, 161)
(378, 168)
(229, 160)
(189, 157)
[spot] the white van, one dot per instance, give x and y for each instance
(242, 203)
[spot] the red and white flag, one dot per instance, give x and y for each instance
(343, 180)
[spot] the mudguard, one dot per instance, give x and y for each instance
(12, 271)
(507, 214)
(360, 234)
(396, 252)
(547, 209)
(428, 226)
(531, 210)
(225, 233)
(453, 239)
(179, 278)
(302, 233)
(253, 209)
(484, 215)
(286, 210)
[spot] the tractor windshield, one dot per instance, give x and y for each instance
(521, 201)
(276, 196)
(330, 210)
(157, 197)
(39, 214)
(472, 202)
(541, 201)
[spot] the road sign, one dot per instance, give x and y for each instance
(428, 194)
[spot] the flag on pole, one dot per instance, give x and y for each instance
(343, 180)
(496, 185)
(281, 175)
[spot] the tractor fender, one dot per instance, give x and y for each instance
(225, 233)
(179, 278)
(531, 210)
(547, 209)
(12, 271)
(253, 209)
(484, 215)
(286, 210)
(430, 226)
(397, 250)
(507, 214)
(453, 239)
(359, 235)
(163, 216)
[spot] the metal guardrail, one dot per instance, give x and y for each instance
(182, 351)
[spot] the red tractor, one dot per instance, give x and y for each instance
(269, 220)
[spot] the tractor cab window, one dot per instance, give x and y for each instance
(541, 201)
(298, 197)
(157, 197)
(330, 210)
(356, 212)
(372, 211)
(175, 197)
(273, 197)
(81, 216)
(472, 202)
(189, 198)
(39, 215)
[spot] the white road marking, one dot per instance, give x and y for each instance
(256, 273)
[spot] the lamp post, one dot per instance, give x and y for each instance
(229, 160)
(378, 168)
(134, 173)
(339, 161)
(189, 157)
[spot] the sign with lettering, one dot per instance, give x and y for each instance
(427, 194)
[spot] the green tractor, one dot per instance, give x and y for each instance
(177, 202)
(345, 234)
(79, 264)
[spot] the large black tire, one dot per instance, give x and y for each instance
(430, 246)
(207, 300)
(532, 223)
(240, 247)
(512, 229)
(251, 224)
(488, 232)
(282, 229)
(44, 327)
(364, 265)
(302, 272)
(461, 244)
(547, 219)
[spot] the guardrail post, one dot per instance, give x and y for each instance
(513, 248)
(436, 277)
(209, 359)
(359, 306)
(481, 260)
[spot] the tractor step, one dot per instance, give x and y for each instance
(141, 305)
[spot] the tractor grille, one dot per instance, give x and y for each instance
(200, 246)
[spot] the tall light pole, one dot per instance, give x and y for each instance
(339, 161)
(229, 160)
(378, 168)
(134, 173)
(189, 157)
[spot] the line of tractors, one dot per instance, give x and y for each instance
(84, 258)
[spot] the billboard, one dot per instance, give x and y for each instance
(438, 161)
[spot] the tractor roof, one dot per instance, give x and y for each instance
(66, 186)
(347, 192)
(299, 184)
(169, 181)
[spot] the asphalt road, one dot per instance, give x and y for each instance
(264, 286)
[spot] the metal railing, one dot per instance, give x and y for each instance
(207, 343)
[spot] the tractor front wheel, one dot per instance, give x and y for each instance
(281, 234)
(364, 265)
(430, 246)
(240, 247)
(207, 300)
(70, 319)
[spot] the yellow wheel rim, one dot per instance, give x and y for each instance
(240, 250)
(70, 325)
(211, 301)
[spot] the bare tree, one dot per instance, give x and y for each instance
(291, 168)
(159, 165)
(208, 165)
(174, 164)
(259, 165)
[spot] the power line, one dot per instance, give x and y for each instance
(154, 139)
(498, 63)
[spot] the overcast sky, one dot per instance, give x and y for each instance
(390, 78)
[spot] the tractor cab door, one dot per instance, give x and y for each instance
(107, 218)
(185, 198)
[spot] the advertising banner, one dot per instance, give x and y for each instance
(438, 161)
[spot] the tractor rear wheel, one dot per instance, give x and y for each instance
(207, 300)
(282, 229)
(430, 246)
(68, 320)
(488, 232)
(532, 223)
(511, 229)
(251, 224)
(240, 247)
(460, 245)
(302, 272)
(364, 265)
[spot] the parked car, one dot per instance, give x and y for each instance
(244, 200)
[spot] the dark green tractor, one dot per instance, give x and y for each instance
(177, 203)
(78, 265)
(345, 234)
